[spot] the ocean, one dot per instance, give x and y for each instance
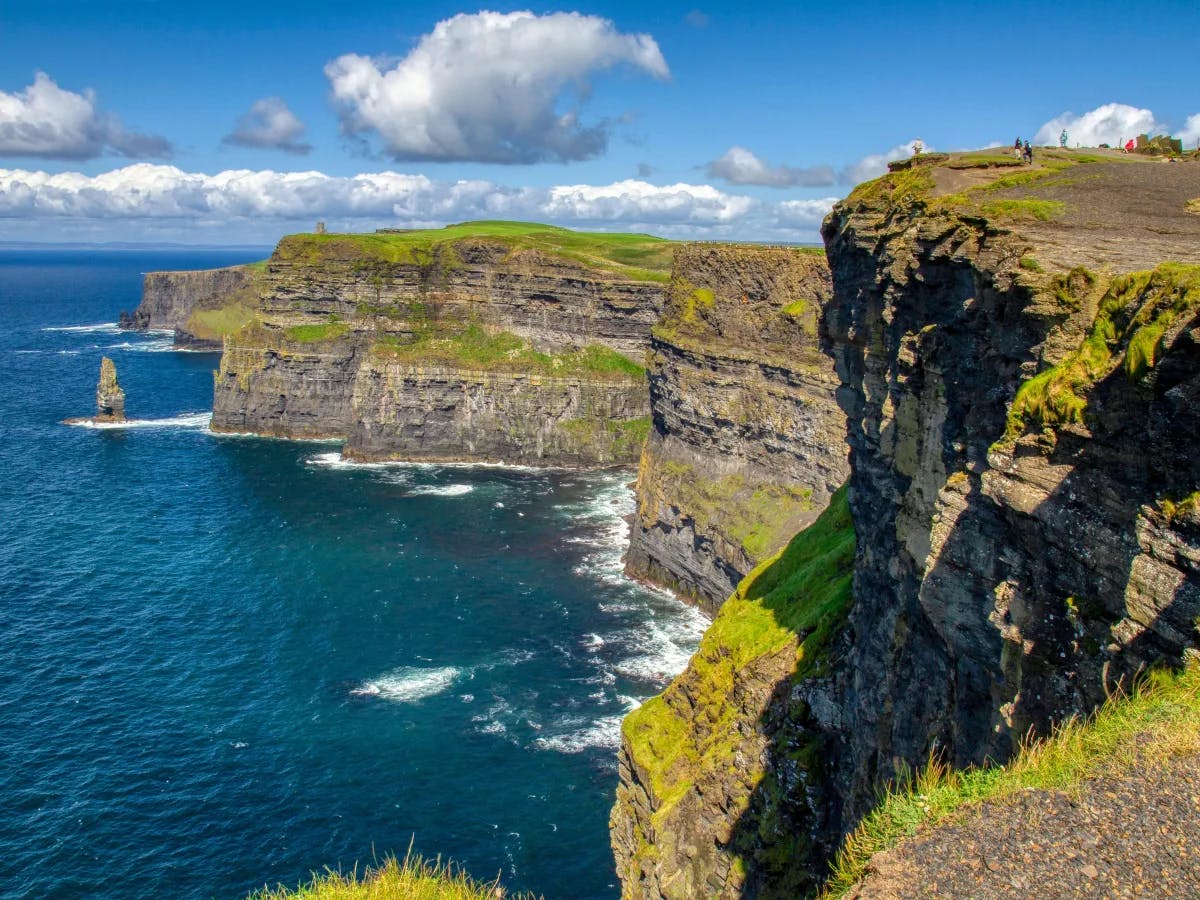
(232, 661)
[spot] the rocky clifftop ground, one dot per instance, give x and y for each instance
(1018, 353)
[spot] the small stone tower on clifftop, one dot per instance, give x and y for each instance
(110, 398)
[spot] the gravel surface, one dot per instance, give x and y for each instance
(1124, 215)
(1133, 836)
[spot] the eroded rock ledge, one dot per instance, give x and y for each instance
(1023, 489)
(747, 442)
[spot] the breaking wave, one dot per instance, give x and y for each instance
(182, 421)
(408, 684)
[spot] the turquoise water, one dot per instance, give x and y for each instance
(226, 661)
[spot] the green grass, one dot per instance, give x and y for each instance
(475, 347)
(317, 333)
(409, 879)
(214, 324)
(1042, 210)
(915, 185)
(1158, 721)
(1132, 318)
(759, 517)
(639, 257)
(800, 595)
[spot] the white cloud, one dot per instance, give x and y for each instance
(1190, 133)
(48, 122)
(145, 199)
(740, 166)
(803, 214)
(269, 124)
(641, 201)
(1112, 123)
(486, 87)
(875, 164)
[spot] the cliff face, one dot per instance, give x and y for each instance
(1021, 554)
(552, 300)
(1023, 489)
(747, 442)
(464, 349)
(199, 306)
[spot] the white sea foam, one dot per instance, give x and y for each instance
(441, 490)
(664, 644)
(159, 345)
(408, 684)
(592, 642)
(602, 734)
(335, 460)
(182, 421)
(100, 328)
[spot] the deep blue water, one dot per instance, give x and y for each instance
(226, 661)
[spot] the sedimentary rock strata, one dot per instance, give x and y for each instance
(747, 441)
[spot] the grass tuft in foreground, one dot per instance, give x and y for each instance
(1159, 720)
(409, 879)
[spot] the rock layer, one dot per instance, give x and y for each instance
(200, 306)
(747, 441)
(385, 353)
(1019, 553)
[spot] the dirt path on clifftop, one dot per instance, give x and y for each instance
(1133, 836)
(1125, 215)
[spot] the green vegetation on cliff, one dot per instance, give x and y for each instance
(797, 599)
(913, 183)
(1158, 721)
(475, 347)
(409, 879)
(757, 516)
(639, 257)
(1131, 321)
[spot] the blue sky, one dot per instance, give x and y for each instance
(624, 116)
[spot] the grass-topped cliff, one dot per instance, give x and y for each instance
(640, 257)
(698, 757)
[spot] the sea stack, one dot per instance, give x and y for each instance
(110, 398)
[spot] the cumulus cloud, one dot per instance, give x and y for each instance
(162, 196)
(48, 122)
(875, 164)
(1190, 133)
(641, 201)
(486, 87)
(1112, 123)
(271, 125)
(740, 166)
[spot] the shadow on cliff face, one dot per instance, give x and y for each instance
(995, 593)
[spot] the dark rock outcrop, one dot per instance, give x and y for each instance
(1019, 552)
(747, 441)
